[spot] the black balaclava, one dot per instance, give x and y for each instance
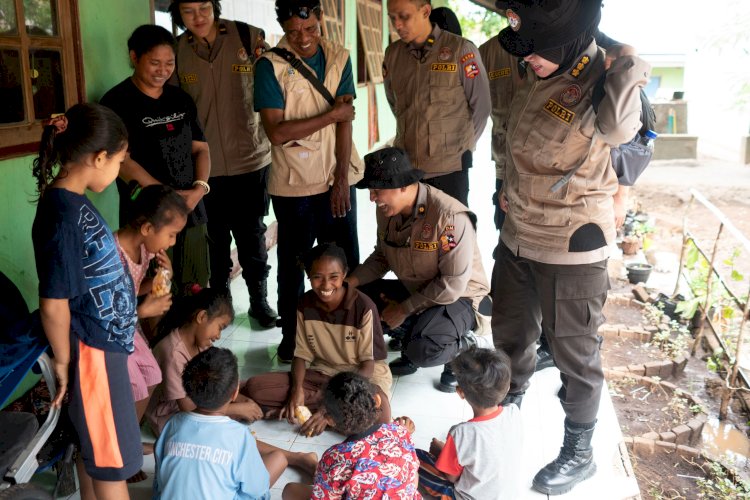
(566, 55)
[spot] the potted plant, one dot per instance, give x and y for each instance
(638, 272)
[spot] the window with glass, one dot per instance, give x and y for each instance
(38, 69)
(333, 20)
(370, 41)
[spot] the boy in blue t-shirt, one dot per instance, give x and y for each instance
(204, 453)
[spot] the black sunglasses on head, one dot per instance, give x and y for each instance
(302, 12)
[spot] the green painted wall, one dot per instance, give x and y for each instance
(673, 78)
(105, 27)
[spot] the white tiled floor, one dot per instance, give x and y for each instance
(415, 395)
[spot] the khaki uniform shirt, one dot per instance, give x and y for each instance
(435, 92)
(220, 81)
(433, 252)
(306, 167)
(552, 129)
(504, 78)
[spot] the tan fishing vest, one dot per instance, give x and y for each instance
(433, 119)
(550, 131)
(502, 71)
(306, 167)
(223, 93)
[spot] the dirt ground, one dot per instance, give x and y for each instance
(664, 193)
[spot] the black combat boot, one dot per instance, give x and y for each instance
(448, 382)
(402, 366)
(574, 464)
(259, 308)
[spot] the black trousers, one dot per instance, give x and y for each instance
(236, 206)
(432, 337)
(303, 220)
(455, 184)
(563, 301)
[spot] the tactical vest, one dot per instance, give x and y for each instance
(433, 118)
(306, 167)
(550, 131)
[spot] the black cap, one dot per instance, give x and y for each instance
(388, 168)
(542, 25)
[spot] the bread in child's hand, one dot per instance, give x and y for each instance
(302, 414)
(161, 285)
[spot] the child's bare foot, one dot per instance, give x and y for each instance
(138, 476)
(148, 448)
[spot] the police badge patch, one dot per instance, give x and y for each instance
(445, 54)
(242, 54)
(571, 95)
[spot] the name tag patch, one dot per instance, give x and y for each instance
(426, 246)
(499, 73)
(444, 67)
(189, 78)
(559, 111)
(242, 68)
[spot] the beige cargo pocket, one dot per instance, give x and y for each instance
(445, 135)
(544, 208)
(578, 304)
(441, 92)
(305, 163)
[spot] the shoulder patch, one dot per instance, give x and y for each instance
(471, 70)
(559, 111)
(468, 56)
(447, 242)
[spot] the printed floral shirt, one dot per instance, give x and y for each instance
(379, 463)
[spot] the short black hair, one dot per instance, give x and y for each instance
(174, 11)
(148, 36)
(211, 378)
(330, 250)
(483, 375)
(349, 400)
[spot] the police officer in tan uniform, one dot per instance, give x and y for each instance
(551, 274)
(215, 66)
(428, 239)
(436, 85)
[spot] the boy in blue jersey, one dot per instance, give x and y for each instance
(204, 453)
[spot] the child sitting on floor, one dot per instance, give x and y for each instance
(192, 326)
(204, 453)
(375, 461)
(159, 214)
(480, 458)
(338, 329)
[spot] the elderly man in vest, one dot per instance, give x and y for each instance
(551, 272)
(315, 163)
(215, 66)
(428, 239)
(437, 88)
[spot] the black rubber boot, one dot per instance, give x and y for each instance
(402, 366)
(259, 308)
(574, 464)
(448, 382)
